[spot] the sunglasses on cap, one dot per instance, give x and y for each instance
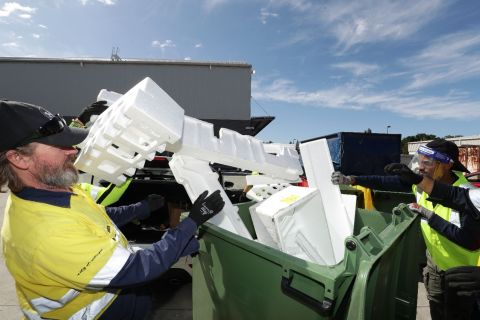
(53, 126)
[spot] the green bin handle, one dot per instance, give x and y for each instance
(324, 307)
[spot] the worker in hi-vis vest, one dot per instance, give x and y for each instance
(460, 282)
(106, 196)
(65, 252)
(451, 237)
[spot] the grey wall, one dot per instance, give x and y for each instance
(204, 90)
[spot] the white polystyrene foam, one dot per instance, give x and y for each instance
(232, 148)
(294, 221)
(318, 169)
(197, 176)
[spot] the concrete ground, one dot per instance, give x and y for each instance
(173, 303)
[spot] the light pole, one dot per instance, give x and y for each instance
(387, 128)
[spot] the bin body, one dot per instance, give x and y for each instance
(237, 278)
(385, 200)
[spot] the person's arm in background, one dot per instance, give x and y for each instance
(122, 215)
(96, 108)
(376, 182)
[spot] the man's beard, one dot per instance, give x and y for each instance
(56, 177)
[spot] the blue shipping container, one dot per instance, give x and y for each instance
(359, 153)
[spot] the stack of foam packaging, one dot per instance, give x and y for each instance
(129, 132)
(310, 223)
(145, 120)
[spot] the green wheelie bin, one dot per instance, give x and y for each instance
(237, 278)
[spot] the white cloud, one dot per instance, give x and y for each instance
(265, 15)
(210, 5)
(354, 22)
(284, 90)
(43, 26)
(299, 5)
(359, 22)
(12, 8)
(199, 45)
(187, 58)
(163, 45)
(355, 97)
(448, 59)
(10, 45)
(357, 68)
(105, 2)
(36, 35)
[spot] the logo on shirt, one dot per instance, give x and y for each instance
(89, 262)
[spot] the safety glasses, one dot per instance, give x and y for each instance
(430, 163)
(53, 126)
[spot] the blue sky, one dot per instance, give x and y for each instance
(320, 66)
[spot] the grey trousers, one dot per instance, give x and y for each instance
(444, 305)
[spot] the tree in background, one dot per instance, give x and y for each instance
(417, 137)
(421, 137)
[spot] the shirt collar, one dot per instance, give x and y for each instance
(54, 198)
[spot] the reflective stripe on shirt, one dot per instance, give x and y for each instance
(94, 309)
(44, 305)
(30, 315)
(110, 269)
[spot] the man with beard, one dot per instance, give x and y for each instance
(65, 252)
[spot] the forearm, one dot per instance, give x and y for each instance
(453, 197)
(387, 183)
(124, 214)
(147, 264)
(468, 236)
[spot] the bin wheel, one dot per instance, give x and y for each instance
(175, 277)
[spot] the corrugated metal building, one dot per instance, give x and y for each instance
(212, 91)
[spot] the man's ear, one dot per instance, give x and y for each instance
(18, 160)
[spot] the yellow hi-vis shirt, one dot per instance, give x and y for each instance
(445, 253)
(62, 257)
(106, 195)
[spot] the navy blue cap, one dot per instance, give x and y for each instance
(20, 123)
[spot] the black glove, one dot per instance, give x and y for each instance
(155, 202)
(464, 281)
(95, 108)
(206, 207)
(406, 175)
